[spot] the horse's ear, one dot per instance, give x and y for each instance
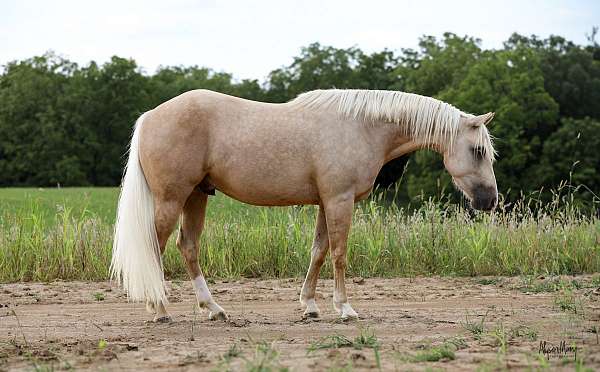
(488, 118)
(484, 119)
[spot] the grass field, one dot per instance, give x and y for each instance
(47, 234)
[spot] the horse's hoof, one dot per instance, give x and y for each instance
(311, 314)
(349, 317)
(347, 312)
(163, 319)
(312, 310)
(219, 315)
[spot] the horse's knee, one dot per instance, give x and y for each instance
(338, 259)
(187, 247)
(318, 256)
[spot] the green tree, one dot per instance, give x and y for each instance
(325, 67)
(571, 72)
(103, 103)
(571, 154)
(36, 147)
(437, 65)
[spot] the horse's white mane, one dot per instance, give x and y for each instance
(425, 119)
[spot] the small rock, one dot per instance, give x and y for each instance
(359, 280)
(108, 355)
(358, 356)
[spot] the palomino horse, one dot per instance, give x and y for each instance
(325, 148)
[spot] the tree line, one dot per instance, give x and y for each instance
(62, 123)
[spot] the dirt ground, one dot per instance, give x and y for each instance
(405, 323)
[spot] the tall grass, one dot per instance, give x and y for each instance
(42, 242)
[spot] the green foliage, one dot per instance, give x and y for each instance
(573, 150)
(323, 67)
(65, 124)
(265, 359)
(435, 354)
(366, 339)
(431, 353)
(437, 65)
(67, 234)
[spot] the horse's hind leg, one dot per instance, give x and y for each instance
(166, 212)
(191, 227)
(319, 251)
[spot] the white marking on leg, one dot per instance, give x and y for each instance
(312, 310)
(205, 299)
(202, 292)
(343, 308)
(348, 312)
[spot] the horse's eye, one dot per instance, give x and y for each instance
(478, 152)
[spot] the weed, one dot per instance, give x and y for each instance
(581, 367)
(102, 344)
(500, 337)
(366, 339)
(488, 281)
(458, 343)
(14, 313)
(265, 359)
(567, 301)
(431, 353)
(523, 331)
(233, 352)
(194, 308)
(476, 328)
(435, 354)
(99, 296)
(330, 342)
(595, 282)
(530, 285)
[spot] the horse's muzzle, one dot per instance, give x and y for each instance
(485, 198)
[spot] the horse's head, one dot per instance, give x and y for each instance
(470, 162)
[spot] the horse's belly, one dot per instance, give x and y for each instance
(267, 192)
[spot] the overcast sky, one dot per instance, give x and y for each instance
(251, 38)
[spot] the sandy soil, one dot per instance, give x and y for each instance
(91, 326)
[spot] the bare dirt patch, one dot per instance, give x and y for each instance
(405, 323)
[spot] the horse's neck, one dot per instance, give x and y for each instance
(398, 141)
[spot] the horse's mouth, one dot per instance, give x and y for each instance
(480, 196)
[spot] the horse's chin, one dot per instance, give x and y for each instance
(458, 186)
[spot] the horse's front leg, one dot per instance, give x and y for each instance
(319, 251)
(338, 214)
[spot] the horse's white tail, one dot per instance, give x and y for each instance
(136, 260)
